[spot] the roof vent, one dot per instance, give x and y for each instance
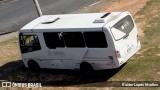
(99, 20)
(105, 15)
(50, 20)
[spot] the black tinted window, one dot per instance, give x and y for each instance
(95, 39)
(53, 40)
(73, 39)
(29, 43)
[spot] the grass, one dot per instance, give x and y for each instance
(144, 66)
(9, 51)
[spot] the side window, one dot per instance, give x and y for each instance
(53, 40)
(73, 39)
(29, 43)
(95, 39)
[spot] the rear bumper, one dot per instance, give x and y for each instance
(122, 60)
(117, 62)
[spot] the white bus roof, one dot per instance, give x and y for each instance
(69, 22)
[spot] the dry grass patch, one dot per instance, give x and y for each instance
(9, 51)
(125, 5)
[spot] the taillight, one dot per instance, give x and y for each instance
(117, 54)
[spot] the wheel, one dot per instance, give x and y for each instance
(86, 68)
(33, 66)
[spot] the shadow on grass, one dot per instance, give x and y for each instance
(16, 72)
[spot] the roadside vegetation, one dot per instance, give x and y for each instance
(144, 66)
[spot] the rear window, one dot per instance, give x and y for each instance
(122, 28)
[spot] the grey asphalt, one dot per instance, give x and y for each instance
(17, 13)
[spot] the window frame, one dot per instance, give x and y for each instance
(55, 44)
(105, 39)
(126, 34)
(82, 40)
(84, 45)
(21, 35)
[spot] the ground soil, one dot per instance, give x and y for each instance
(132, 6)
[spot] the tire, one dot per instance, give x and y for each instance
(33, 66)
(86, 68)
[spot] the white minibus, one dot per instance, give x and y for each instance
(87, 42)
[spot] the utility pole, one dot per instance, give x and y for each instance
(39, 11)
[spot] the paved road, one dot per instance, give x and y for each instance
(15, 14)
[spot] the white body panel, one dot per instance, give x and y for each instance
(71, 58)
